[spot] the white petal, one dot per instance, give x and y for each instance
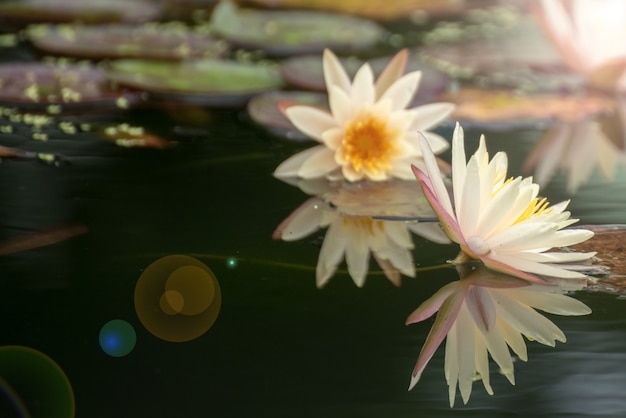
(331, 253)
(303, 221)
(341, 106)
(363, 86)
(550, 302)
(318, 164)
(334, 73)
(310, 120)
(291, 166)
(403, 90)
(430, 115)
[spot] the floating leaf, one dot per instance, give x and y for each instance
(281, 33)
(263, 109)
(415, 10)
(608, 241)
(499, 48)
(306, 72)
(55, 88)
(23, 12)
(505, 109)
(207, 82)
(172, 40)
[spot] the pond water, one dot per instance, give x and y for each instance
(280, 346)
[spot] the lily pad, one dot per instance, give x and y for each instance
(610, 260)
(416, 10)
(55, 88)
(207, 82)
(172, 40)
(281, 33)
(23, 12)
(306, 72)
(504, 109)
(263, 109)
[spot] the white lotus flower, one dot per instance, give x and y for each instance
(480, 315)
(369, 134)
(588, 34)
(501, 221)
(356, 238)
(576, 149)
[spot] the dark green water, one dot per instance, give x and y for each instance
(280, 347)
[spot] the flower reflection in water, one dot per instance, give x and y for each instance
(588, 34)
(481, 315)
(577, 149)
(501, 221)
(357, 237)
(369, 133)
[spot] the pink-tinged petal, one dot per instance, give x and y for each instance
(401, 92)
(392, 273)
(447, 221)
(341, 105)
(508, 269)
(430, 115)
(557, 21)
(311, 121)
(302, 222)
(291, 166)
(445, 319)
(318, 164)
(363, 86)
(392, 72)
(334, 73)
(481, 307)
(485, 278)
(434, 174)
(431, 305)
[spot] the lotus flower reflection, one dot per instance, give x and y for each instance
(356, 238)
(588, 34)
(481, 315)
(501, 221)
(369, 133)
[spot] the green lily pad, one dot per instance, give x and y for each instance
(416, 10)
(281, 33)
(306, 72)
(263, 109)
(17, 14)
(56, 88)
(172, 40)
(208, 82)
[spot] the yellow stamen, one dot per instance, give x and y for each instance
(535, 207)
(368, 144)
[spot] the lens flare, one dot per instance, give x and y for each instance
(177, 298)
(117, 338)
(33, 385)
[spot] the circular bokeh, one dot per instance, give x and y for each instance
(117, 338)
(33, 385)
(177, 298)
